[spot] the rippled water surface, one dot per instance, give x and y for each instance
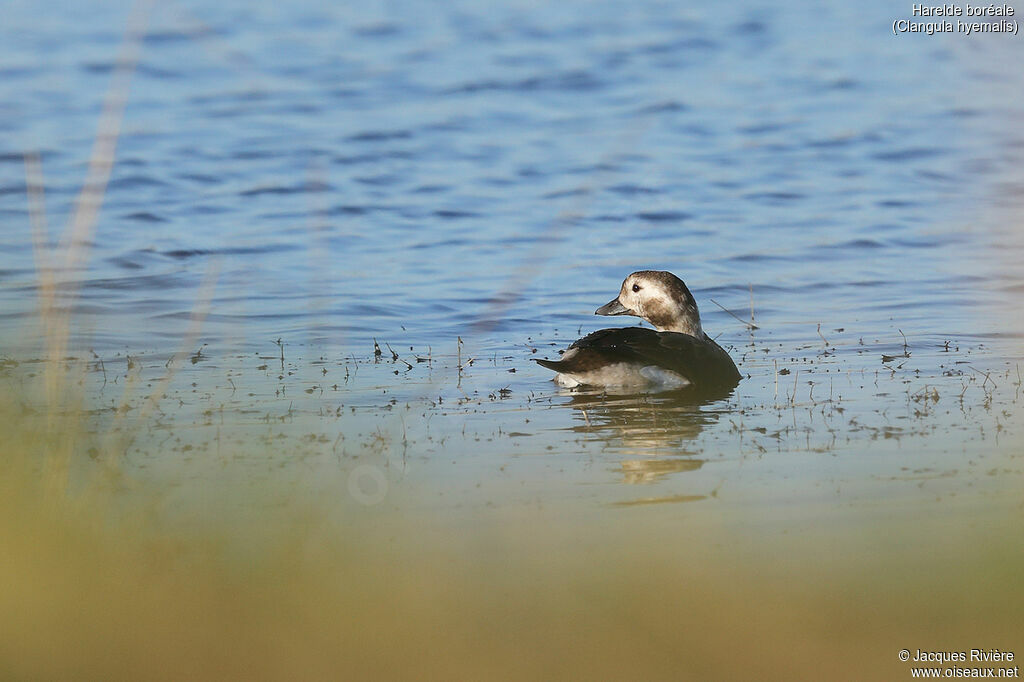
(460, 185)
(356, 171)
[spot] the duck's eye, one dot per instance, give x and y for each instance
(636, 288)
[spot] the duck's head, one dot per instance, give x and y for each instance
(659, 297)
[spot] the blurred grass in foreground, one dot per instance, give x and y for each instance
(96, 584)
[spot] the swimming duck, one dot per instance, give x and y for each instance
(675, 354)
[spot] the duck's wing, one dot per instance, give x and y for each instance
(700, 360)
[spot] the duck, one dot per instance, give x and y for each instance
(676, 354)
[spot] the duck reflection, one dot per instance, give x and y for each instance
(651, 470)
(653, 430)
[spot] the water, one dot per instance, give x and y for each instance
(464, 184)
(357, 171)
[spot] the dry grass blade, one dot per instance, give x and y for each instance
(749, 325)
(73, 249)
(72, 252)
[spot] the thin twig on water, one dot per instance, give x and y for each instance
(752, 325)
(749, 325)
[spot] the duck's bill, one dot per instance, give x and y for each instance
(613, 307)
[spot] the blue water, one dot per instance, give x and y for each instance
(357, 170)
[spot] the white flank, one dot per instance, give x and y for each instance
(624, 374)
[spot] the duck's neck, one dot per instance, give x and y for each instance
(683, 325)
(678, 316)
